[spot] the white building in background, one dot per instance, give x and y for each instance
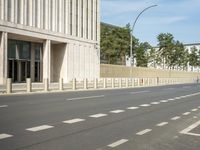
(188, 47)
(50, 39)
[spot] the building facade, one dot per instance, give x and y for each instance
(49, 39)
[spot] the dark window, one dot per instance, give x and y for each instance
(24, 50)
(11, 49)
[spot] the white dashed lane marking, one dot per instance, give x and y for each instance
(194, 109)
(98, 115)
(139, 92)
(186, 113)
(164, 101)
(155, 103)
(145, 105)
(73, 120)
(162, 124)
(40, 128)
(3, 106)
(117, 111)
(144, 132)
(187, 130)
(4, 136)
(175, 118)
(132, 108)
(171, 99)
(90, 97)
(117, 143)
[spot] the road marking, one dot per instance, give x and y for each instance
(162, 124)
(39, 128)
(117, 143)
(139, 92)
(175, 118)
(194, 109)
(186, 113)
(164, 101)
(145, 105)
(155, 103)
(132, 108)
(3, 106)
(81, 98)
(171, 99)
(177, 98)
(98, 115)
(199, 107)
(187, 130)
(117, 111)
(144, 132)
(4, 136)
(73, 120)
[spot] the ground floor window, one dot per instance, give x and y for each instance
(24, 60)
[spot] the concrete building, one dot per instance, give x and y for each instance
(49, 39)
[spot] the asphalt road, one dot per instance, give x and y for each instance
(153, 118)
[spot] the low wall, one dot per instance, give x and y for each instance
(117, 71)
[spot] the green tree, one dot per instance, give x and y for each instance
(193, 57)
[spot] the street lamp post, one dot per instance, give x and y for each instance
(131, 33)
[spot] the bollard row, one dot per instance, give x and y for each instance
(104, 83)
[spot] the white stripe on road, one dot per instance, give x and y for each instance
(132, 108)
(187, 130)
(155, 103)
(171, 99)
(139, 92)
(74, 121)
(81, 98)
(186, 113)
(144, 132)
(164, 101)
(145, 105)
(194, 109)
(117, 143)
(117, 111)
(175, 118)
(98, 115)
(162, 124)
(39, 128)
(3, 106)
(177, 98)
(4, 136)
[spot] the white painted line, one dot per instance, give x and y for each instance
(74, 121)
(194, 109)
(186, 113)
(171, 99)
(3, 106)
(187, 130)
(139, 92)
(155, 103)
(117, 111)
(39, 128)
(117, 143)
(98, 115)
(175, 118)
(177, 98)
(145, 105)
(81, 98)
(164, 101)
(162, 124)
(144, 132)
(199, 107)
(4, 136)
(132, 108)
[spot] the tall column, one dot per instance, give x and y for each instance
(3, 57)
(2, 9)
(47, 60)
(89, 19)
(74, 17)
(32, 62)
(67, 13)
(21, 9)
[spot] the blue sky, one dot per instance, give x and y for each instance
(179, 17)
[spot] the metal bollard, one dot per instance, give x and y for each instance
(127, 81)
(104, 83)
(28, 85)
(85, 83)
(113, 83)
(61, 84)
(95, 83)
(9, 86)
(46, 85)
(74, 84)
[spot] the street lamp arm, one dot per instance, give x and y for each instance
(141, 14)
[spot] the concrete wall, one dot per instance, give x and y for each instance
(115, 71)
